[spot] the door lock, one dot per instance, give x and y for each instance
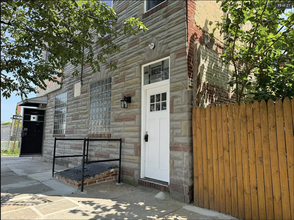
(146, 137)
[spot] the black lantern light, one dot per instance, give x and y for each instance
(125, 101)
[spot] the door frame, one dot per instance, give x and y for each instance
(32, 155)
(144, 109)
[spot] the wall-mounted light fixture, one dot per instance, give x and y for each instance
(125, 101)
(151, 46)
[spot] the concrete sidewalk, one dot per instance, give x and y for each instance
(29, 192)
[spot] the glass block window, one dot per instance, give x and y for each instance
(156, 72)
(158, 102)
(100, 107)
(60, 114)
(152, 3)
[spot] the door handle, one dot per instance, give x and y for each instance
(146, 137)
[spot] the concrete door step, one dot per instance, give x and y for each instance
(94, 173)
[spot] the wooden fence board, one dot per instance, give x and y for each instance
(209, 157)
(252, 162)
(259, 161)
(195, 164)
(199, 158)
(240, 188)
(274, 160)
(282, 160)
(215, 159)
(221, 160)
(289, 135)
(226, 160)
(232, 153)
(204, 154)
(266, 161)
(245, 160)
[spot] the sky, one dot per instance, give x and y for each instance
(8, 106)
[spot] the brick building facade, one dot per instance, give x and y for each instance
(157, 106)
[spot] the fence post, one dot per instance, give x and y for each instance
(54, 151)
(83, 165)
(119, 168)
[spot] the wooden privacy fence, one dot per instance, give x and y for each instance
(243, 159)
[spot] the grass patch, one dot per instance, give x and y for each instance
(4, 145)
(10, 152)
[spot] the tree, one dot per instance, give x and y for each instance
(7, 123)
(263, 55)
(68, 29)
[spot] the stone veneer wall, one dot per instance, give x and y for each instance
(167, 29)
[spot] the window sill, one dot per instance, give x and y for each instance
(99, 135)
(156, 8)
(58, 135)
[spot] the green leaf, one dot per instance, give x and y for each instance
(63, 28)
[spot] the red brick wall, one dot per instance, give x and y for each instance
(194, 34)
(18, 109)
(208, 92)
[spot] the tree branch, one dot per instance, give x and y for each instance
(233, 59)
(256, 28)
(243, 84)
(280, 29)
(29, 29)
(273, 43)
(7, 23)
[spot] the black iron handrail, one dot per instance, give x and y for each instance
(84, 154)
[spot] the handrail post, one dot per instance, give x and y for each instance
(54, 151)
(119, 168)
(83, 165)
(87, 150)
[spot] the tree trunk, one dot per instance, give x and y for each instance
(196, 73)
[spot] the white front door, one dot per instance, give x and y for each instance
(157, 128)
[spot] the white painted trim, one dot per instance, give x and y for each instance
(145, 6)
(155, 61)
(143, 112)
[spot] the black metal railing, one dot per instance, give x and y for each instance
(86, 160)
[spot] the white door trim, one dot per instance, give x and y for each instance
(143, 114)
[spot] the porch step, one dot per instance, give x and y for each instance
(156, 184)
(94, 173)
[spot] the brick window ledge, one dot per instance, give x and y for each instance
(155, 9)
(58, 135)
(99, 135)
